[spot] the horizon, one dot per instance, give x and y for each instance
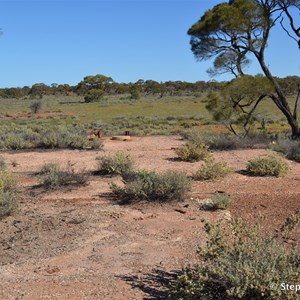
(62, 41)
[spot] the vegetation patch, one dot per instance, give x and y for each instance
(151, 186)
(239, 262)
(8, 193)
(212, 170)
(53, 177)
(268, 165)
(290, 148)
(118, 164)
(192, 152)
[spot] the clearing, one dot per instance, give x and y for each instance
(80, 244)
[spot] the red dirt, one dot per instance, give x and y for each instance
(79, 244)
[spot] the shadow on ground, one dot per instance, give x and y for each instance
(154, 285)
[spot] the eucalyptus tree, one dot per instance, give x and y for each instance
(231, 31)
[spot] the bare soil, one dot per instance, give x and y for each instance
(80, 244)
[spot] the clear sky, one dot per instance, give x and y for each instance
(61, 41)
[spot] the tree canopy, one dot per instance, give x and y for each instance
(230, 31)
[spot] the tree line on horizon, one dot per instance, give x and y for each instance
(105, 85)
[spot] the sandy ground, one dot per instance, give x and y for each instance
(80, 244)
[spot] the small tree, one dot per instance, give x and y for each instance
(94, 95)
(240, 27)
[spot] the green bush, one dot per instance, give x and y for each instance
(268, 165)
(53, 177)
(117, 164)
(221, 141)
(94, 95)
(150, 186)
(240, 263)
(212, 170)
(221, 201)
(192, 152)
(290, 148)
(8, 193)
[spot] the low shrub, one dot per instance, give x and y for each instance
(290, 148)
(36, 107)
(212, 170)
(8, 193)
(53, 177)
(221, 201)
(192, 152)
(268, 165)
(219, 141)
(2, 163)
(117, 164)
(150, 186)
(239, 263)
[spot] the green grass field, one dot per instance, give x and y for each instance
(170, 112)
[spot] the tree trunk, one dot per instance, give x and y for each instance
(280, 99)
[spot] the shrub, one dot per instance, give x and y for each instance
(219, 141)
(8, 193)
(212, 170)
(36, 107)
(94, 95)
(150, 186)
(118, 164)
(240, 263)
(2, 164)
(288, 147)
(221, 201)
(192, 152)
(53, 177)
(269, 165)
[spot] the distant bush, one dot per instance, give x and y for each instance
(150, 186)
(44, 136)
(53, 177)
(135, 94)
(290, 148)
(36, 107)
(269, 165)
(192, 152)
(240, 263)
(94, 95)
(212, 170)
(219, 141)
(117, 164)
(8, 193)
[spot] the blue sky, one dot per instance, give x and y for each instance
(62, 41)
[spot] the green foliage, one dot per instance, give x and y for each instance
(212, 170)
(42, 136)
(150, 186)
(118, 164)
(268, 165)
(221, 201)
(240, 263)
(8, 193)
(134, 94)
(192, 152)
(53, 177)
(220, 141)
(94, 95)
(290, 148)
